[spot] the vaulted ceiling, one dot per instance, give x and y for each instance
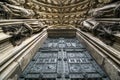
(63, 12)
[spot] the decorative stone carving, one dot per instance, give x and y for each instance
(60, 8)
(18, 32)
(111, 10)
(103, 30)
(16, 11)
(104, 1)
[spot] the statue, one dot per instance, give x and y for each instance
(110, 10)
(103, 30)
(18, 31)
(14, 2)
(16, 11)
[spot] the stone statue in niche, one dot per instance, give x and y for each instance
(103, 30)
(16, 11)
(18, 32)
(14, 2)
(108, 11)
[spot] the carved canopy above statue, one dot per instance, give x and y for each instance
(64, 12)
